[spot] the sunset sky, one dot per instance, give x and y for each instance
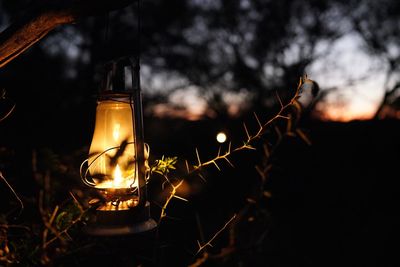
(358, 76)
(355, 77)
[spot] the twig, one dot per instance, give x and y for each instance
(7, 114)
(13, 191)
(202, 239)
(208, 244)
(172, 195)
(77, 202)
(48, 224)
(65, 231)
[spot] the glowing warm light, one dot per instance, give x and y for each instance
(118, 181)
(221, 137)
(117, 126)
(113, 126)
(117, 176)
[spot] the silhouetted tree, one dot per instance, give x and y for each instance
(377, 22)
(258, 46)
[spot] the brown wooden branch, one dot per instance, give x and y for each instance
(43, 17)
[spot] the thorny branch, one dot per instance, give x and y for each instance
(172, 195)
(202, 248)
(263, 171)
(247, 145)
(209, 242)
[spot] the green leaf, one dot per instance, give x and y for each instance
(62, 220)
(164, 165)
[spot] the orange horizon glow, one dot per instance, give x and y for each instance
(346, 104)
(331, 113)
(341, 114)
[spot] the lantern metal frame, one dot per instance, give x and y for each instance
(135, 219)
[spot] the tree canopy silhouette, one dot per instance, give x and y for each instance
(255, 47)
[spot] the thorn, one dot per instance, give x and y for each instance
(187, 166)
(279, 99)
(198, 157)
(202, 178)
(247, 132)
(216, 165)
(230, 163)
(283, 117)
(258, 121)
(249, 147)
(166, 179)
(181, 198)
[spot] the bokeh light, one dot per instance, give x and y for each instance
(221, 137)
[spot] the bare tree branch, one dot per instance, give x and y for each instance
(44, 16)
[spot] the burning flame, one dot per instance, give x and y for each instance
(117, 175)
(117, 180)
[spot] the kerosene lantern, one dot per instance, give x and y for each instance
(117, 165)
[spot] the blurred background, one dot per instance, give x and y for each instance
(206, 67)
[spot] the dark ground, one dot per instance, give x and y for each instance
(334, 203)
(337, 204)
